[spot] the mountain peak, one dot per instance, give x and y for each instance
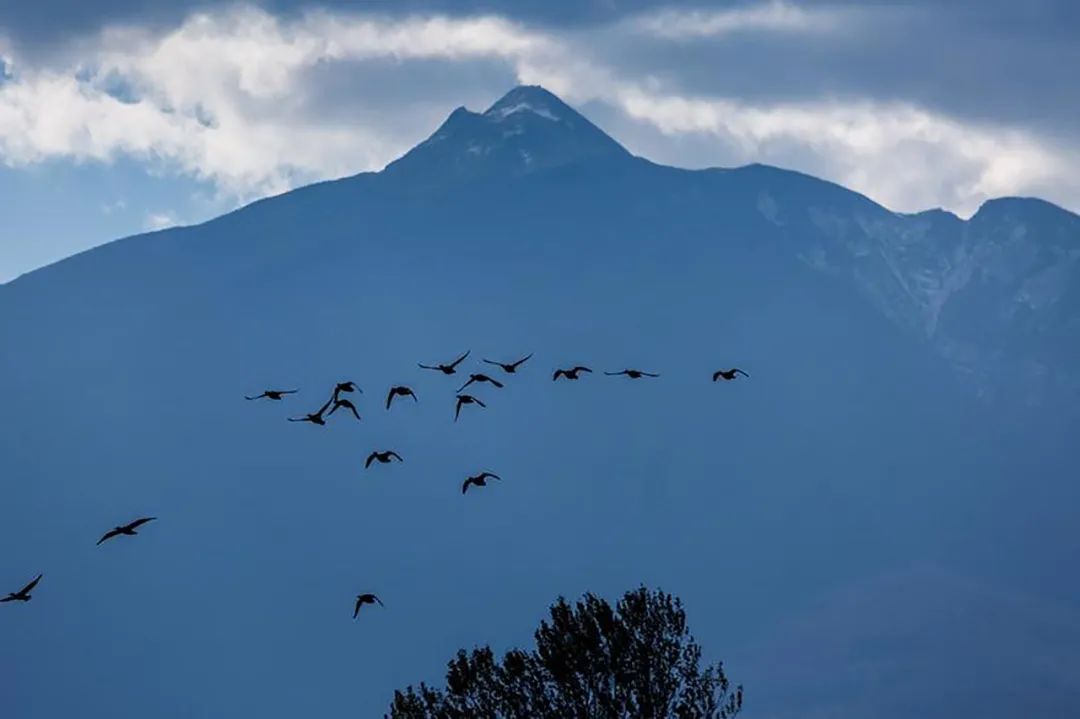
(526, 130)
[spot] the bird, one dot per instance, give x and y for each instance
(728, 374)
(344, 404)
(479, 480)
(632, 374)
(383, 457)
(362, 599)
(570, 373)
(464, 399)
(400, 391)
(446, 368)
(127, 529)
(481, 378)
(274, 394)
(23, 595)
(345, 387)
(511, 367)
(316, 417)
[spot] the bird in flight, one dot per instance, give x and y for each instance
(274, 394)
(345, 387)
(511, 367)
(382, 457)
(481, 378)
(632, 374)
(316, 417)
(344, 404)
(400, 391)
(464, 399)
(362, 599)
(127, 529)
(728, 374)
(572, 373)
(23, 595)
(446, 368)
(479, 480)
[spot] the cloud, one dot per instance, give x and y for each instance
(160, 220)
(777, 15)
(241, 99)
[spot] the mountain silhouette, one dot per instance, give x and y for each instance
(913, 397)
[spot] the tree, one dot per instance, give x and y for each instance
(636, 661)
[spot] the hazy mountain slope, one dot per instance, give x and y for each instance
(851, 448)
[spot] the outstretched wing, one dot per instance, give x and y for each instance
(495, 382)
(739, 371)
(460, 359)
(474, 399)
(521, 361)
(378, 600)
(370, 459)
(497, 364)
(579, 368)
(356, 609)
(559, 373)
(425, 366)
(472, 378)
(490, 475)
(389, 397)
(396, 456)
(258, 396)
(108, 535)
(140, 522)
(465, 485)
(717, 375)
(615, 374)
(457, 410)
(651, 374)
(30, 587)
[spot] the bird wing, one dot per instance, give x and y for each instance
(258, 396)
(582, 369)
(651, 374)
(614, 374)
(460, 359)
(465, 485)
(474, 399)
(396, 456)
(472, 378)
(389, 397)
(521, 361)
(356, 609)
(412, 394)
(289, 391)
(108, 535)
(739, 371)
(378, 600)
(325, 406)
(495, 382)
(457, 410)
(557, 373)
(425, 366)
(371, 458)
(717, 375)
(497, 364)
(353, 408)
(29, 587)
(141, 521)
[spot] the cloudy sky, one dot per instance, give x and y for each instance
(119, 116)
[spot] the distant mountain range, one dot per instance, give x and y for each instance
(912, 399)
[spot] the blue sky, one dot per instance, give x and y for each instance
(126, 115)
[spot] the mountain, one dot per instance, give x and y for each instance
(909, 401)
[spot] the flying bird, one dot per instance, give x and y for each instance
(23, 595)
(481, 378)
(127, 529)
(362, 599)
(400, 391)
(464, 399)
(510, 368)
(316, 417)
(632, 374)
(728, 374)
(479, 480)
(446, 368)
(345, 387)
(274, 394)
(382, 457)
(344, 404)
(572, 373)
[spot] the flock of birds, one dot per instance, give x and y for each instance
(337, 402)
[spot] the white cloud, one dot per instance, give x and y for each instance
(227, 97)
(160, 220)
(777, 15)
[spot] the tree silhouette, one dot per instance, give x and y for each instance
(636, 661)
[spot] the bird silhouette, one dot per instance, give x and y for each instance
(127, 529)
(23, 595)
(400, 391)
(274, 394)
(572, 373)
(728, 374)
(345, 387)
(511, 367)
(316, 417)
(464, 399)
(446, 368)
(632, 374)
(362, 599)
(382, 457)
(479, 379)
(344, 404)
(479, 480)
